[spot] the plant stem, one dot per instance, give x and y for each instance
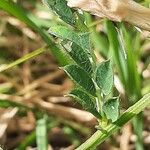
(98, 137)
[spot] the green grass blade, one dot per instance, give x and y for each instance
(116, 51)
(9, 103)
(22, 59)
(98, 137)
(26, 17)
(31, 138)
(134, 85)
(41, 134)
(99, 41)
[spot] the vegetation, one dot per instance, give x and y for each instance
(107, 61)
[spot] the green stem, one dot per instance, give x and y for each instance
(98, 137)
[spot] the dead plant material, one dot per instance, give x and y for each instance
(5, 118)
(68, 113)
(49, 77)
(125, 137)
(116, 10)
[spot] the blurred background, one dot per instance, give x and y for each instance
(32, 103)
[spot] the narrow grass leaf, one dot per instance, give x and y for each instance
(81, 78)
(133, 82)
(98, 39)
(111, 108)
(22, 59)
(116, 51)
(8, 103)
(104, 76)
(17, 11)
(41, 134)
(29, 140)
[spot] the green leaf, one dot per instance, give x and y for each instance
(82, 39)
(7, 103)
(99, 137)
(41, 134)
(62, 10)
(111, 108)
(85, 100)
(81, 78)
(79, 56)
(80, 22)
(104, 77)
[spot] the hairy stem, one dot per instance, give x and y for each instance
(98, 137)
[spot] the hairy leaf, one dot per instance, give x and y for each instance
(85, 100)
(111, 108)
(82, 39)
(104, 76)
(80, 77)
(61, 9)
(79, 56)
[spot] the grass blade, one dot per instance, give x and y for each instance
(15, 10)
(22, 59)
(31, 138)
(41, 134)
(9, 103)
(116, 51)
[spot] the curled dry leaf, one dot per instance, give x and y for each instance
(116, 10)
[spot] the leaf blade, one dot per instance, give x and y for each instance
(41, 134)
(81, 78)
(26, 17)
(79, 56)
(104, 77)
(111, 108)
(82, 39)
(85, 100)
(61, 9)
